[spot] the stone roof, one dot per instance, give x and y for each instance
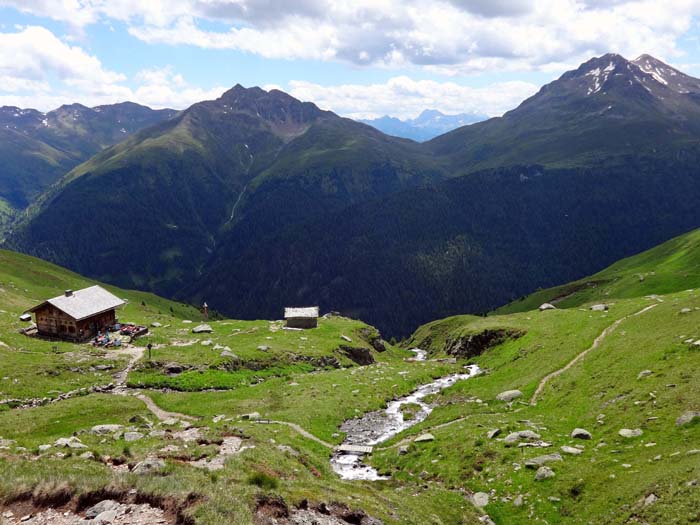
(309, 311)
(84, 303)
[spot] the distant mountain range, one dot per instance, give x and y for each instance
(37, 148)
(429, 124)
(256, 200)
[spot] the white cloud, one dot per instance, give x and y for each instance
(404, 97)
(37, 69)
(446, 36)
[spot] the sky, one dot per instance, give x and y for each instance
(359, 58)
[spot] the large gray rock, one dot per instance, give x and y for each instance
(630, 433)
(149, 466)
(202, 329)
(544, 473)
(102, 506)
(581, 433)
(599, 308)
(509, 395)
(423, 438)
(547, 306)
(133, 436)
(102, 430)
(687, 418)
(542, 460)
(526, 435)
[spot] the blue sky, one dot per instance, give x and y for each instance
(359, 58)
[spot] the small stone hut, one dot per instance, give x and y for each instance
(306, 317)
(77, 316)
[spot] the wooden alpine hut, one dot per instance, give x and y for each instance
(77, 316)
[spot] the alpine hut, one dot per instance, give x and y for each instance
(77, 316)
(306, 317)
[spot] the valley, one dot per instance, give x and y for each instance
(560, 409)
(498, 325)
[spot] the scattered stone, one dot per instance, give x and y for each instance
(133, 436)
(289, 450)
(480, 499)
(685, 310)
(208, 342)
(149, 466)
(87, 455)
(217, 419)
(102, 506)
(509, 395)
(581, 433)
(252, 416)
(599, 308)
(44, 448)
(263, 348)
(227, 353)
(403, 450)
(493, 433)
(630, 433)
(687, 417)
(547, 306)
(518, 501)
(71, 442)
(424, 438)
(156, 324)
(102, 430)
(644, 373)
(160, 434)
(544, 473)
(202, 329)
(571, 450)
(650, 499)
(346, 338)
(173, 368)
(541, 460)
(514, 437)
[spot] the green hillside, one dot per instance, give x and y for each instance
(670, 267)
(308, 378)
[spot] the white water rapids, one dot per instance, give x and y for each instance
(377, 427)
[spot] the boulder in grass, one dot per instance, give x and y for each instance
(544, 473)
(509, 395)
(149, 466)
(547, 306)
(480, 499)
(571, 450)
(688, 417)
(581, 433)
(202, 329)
(423, 438)
(630, 432)
(541, 460)
(523, 435)
(101, 430)
(599, 308)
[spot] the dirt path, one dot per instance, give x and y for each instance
(596, 343)
(161, 414)
(303, 432)
(136, 353)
